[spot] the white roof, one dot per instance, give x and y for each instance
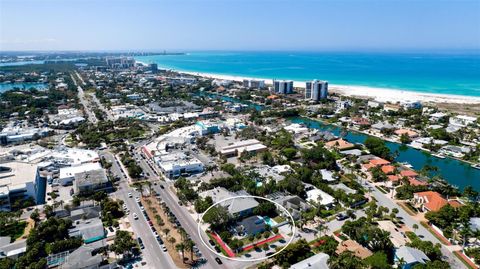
(315, 194)
(317, 261)
(18, 176)
(69, 172)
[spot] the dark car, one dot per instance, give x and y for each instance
(217, 259)
(161, 186)
(211, 242)
(341, 217)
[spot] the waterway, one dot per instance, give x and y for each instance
(22, 86)
(455, 172)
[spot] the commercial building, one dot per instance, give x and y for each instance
(174, 165)
(251, 146)
(90, 181)
(90, 230)
(283, 86)
(316, 90)
(16, 135)
(67, 174)
(20, 181)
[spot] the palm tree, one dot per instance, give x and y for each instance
(189, 247)
(415, 226)
(401, 262)
(181, 247)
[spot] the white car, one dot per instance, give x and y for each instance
(135, 216)
(137, 199)
(164, 248)
(130, 195)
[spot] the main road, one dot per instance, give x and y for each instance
(185, 219)
(152, 253)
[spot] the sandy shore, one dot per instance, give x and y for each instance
(379, 94)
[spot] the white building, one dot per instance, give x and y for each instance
(316, 90)
(462, 120)
(175, 165)
(253, 83)
(19, 180)
(283, 86)
(67, 174)
(317, 196)
(236, 149)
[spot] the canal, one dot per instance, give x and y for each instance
(455, 172)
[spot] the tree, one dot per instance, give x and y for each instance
(293, 253)
(415, 226)
(217, 217)
(405, 139)
(378, 260)
(236, 245)
(123, 242)
(289, 153)
(35, 216)
(266, 208)
(377, 147)
(328, 245)
(181, 247)
(345, 260)
(189, 247)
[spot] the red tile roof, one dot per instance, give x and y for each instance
(378, 162)
(432, 200)
(388, 169)
(408, 173)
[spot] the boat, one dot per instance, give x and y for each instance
(476, 166)
(439, 155)
(406, 164)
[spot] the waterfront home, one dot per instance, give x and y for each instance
(361, 122)
(242, 206)
(409, 133)
(339, 144)
(431, 201)
(410, 257)
(383, 126)
(455, 151)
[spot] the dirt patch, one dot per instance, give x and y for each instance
(28, 228)
(153, 207)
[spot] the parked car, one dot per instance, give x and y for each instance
(217, 259)
(135, 216)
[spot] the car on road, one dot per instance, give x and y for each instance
(130, 195)
(162, 187)
(135, 216)
(217, 259)
(164, 248)
(341, 217)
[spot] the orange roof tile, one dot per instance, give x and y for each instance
(415, 182)
(339, 144)
(393, 178)
(408, 173)
(379, 161)
(388, 169)
(432, 200)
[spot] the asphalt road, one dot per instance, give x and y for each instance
(152, 253)
(383, 200)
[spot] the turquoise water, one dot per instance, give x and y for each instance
(443, 73)
(269, 221)
(23, 86)
(455, 172)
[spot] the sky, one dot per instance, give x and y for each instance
(182, 25)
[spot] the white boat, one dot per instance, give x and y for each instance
(439, 155)
(406, 164)
(476, 166)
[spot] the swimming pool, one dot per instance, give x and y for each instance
(270, 222)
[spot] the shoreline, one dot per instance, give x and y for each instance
(376, 93)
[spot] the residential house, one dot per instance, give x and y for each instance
(410, 257)
(317, 261)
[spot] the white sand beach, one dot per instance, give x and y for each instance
(378, 94)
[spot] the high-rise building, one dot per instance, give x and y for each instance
(120, 62)
(253, 83)
(283, 86)
(316, 90)
(154, 68)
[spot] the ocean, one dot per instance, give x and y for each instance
(455, 73)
